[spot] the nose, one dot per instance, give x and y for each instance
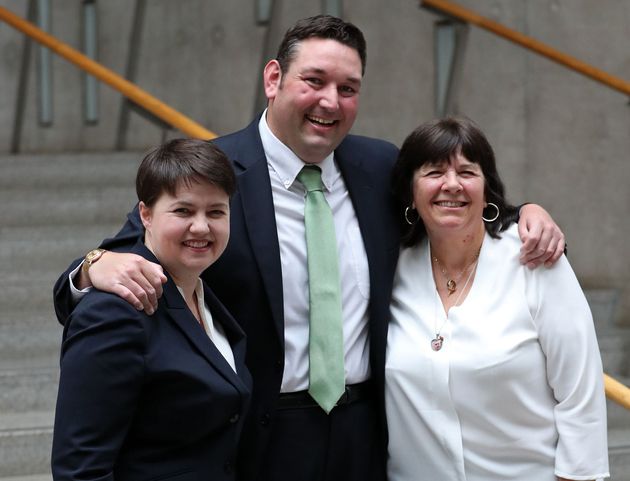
(329, 99)
(451, 181)
(199, 225)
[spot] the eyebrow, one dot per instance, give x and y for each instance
(184, 203)
(321, 71)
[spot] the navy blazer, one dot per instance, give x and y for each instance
(247, 277)
(148, 397)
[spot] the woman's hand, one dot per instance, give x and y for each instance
(129, 276)
(543, 241)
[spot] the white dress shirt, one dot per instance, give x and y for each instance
(214, 330)
(288, 199)
(516, 392)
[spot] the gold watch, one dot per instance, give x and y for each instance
(91, 257)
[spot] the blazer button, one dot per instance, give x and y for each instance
(264, 419)
(235, 418)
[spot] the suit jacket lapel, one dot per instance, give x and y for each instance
(233, 332)
(254, 190)
(360, 189)
(174, 304)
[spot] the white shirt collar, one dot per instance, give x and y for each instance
(286, 164)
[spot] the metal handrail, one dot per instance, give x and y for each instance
(453, 10)
(615, 391)
(128, 89)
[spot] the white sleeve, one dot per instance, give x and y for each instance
(574, 370)
(77, 294)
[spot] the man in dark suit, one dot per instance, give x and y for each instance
(313, 89)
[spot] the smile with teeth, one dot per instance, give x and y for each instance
(320, 121)
(450, 203)
(197, 244)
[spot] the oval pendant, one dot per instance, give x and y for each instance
(436, 344)
(451, 285)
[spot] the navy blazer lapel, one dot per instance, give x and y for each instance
(254, 191)
(360, 188)
(174, 304)
(233, 332)
(186, 322)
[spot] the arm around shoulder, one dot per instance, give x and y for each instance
(129, 276)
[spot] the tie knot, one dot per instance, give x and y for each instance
(311, 178)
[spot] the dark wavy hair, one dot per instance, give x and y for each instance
(320, 26)
(439, 141)
(183, 160)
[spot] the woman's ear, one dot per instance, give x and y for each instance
(145, 214)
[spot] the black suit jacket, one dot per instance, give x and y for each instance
(146, 397)
(247, 277)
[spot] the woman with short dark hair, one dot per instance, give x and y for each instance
(159, 396)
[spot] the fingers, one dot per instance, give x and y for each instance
(130, 277)
(559, 250)
(543, 241)
(546, 250)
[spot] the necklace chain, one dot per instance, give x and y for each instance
(436, 343)
(451, 283)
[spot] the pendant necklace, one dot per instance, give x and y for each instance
(451, 283)
(438, 341)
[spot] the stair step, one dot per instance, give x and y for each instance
(102, 204)
(26, 248)
(614, 347)
(17, 292)
(33, 477)
(30, 347)
(619, 453)
(25, 389)
(69, 170)
(25, 443)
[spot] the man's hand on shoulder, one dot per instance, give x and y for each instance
(543, 241)
(130, 276)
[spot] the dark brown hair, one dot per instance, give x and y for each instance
(183, 160)
(439, 141)
(320, 26)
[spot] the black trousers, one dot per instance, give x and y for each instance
(309, 445)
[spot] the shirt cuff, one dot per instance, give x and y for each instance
(77, 294)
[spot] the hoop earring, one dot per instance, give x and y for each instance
(407, 216)
(495, 217)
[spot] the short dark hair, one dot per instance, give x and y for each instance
(320, 26)
(183, 160)
(439, 141)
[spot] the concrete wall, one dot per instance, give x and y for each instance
(561, 139)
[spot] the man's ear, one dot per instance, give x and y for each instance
(145, 214)
(272, 77)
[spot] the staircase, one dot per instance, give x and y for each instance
(54, 209)
(57, 207)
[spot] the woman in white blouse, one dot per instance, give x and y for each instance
(493, 370)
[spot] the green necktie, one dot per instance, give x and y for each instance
(326, 373)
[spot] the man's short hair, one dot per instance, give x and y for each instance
(320, 26)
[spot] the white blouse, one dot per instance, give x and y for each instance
(516, 392)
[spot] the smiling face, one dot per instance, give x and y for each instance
(313, 105)
(449, 196)
(188, 231)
